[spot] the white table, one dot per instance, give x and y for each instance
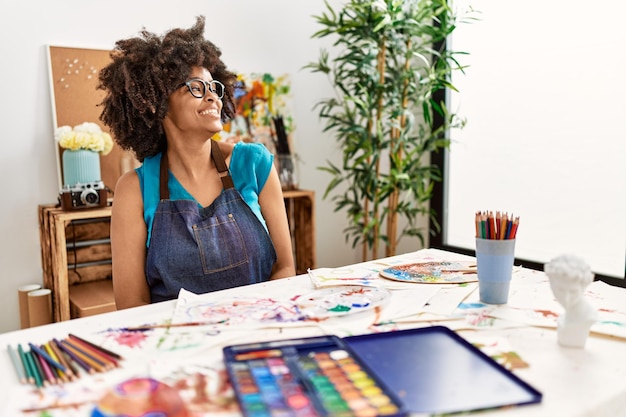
(574, 382)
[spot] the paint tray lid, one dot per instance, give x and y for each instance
(433, 370)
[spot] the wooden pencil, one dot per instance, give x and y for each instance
(46, 357)
(62, 375)
(95, 350)
(492, 226)
(17, 364)
(46, 371)
(75, 358)
(104, 363)
(108, 352)
(514, 227)
(72, 372)
(30, 378)
(77, 354)
(34, 368)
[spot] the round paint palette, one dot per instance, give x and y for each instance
(341, 300)
(438, 272)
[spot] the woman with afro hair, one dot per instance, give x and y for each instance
(197, 214)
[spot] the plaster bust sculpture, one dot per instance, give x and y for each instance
(569, 276)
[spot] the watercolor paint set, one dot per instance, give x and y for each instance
(306, 377)
(429, 370)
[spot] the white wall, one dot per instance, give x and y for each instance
(255, 36)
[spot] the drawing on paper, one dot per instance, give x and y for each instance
(439, 272)
(339, 301)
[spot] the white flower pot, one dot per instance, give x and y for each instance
(81, 166)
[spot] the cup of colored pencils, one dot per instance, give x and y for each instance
(499, 226)
(58, 361)
(495, 253)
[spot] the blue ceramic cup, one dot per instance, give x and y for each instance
(494, 261)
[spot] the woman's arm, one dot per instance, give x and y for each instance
(273, 209)
(128, 244)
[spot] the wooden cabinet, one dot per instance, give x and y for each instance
(300, 206)
(76, 252)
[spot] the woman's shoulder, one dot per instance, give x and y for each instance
(249, 148)
(127, 180)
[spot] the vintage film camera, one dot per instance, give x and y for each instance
(81, 196)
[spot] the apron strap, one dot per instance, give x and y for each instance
(164, 191)
(220, 164)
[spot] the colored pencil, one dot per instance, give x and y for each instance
(93, 363)
(514, 227)
(60, 360)
(74, 357)
(63, 375)
(72, 372)
(46, 357)
(100, 348)
(17, 364)
(36, 372)
(30, 378)
(492, 226)
(37, 366)
(46, 371)
(499, 226)
(107, 360)
(103, 363)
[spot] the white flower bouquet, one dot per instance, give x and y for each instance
(86, 136)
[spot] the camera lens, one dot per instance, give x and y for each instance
(90, 197)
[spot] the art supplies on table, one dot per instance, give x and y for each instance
(438, 272)
(315, 376)
(58, 361)
(429, 370)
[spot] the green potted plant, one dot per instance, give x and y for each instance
(389, 67)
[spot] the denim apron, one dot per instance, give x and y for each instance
(204, 249)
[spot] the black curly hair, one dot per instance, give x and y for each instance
(144, 72)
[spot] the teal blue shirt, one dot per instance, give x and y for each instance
(250, 166)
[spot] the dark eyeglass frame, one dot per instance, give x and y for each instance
(208, 86)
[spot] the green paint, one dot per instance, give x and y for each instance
(339, 309)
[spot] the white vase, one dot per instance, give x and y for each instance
(81, 166)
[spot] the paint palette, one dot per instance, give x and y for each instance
(423, 371)
(341, 300)
(306, 377)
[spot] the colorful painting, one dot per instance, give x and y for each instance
(339, 301)
(239, 311)
(436, 272)
(260, 98)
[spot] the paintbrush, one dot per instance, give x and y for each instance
(168, 325)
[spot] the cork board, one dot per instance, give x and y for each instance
(75, 99)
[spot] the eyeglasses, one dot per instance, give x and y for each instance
(198, 87)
